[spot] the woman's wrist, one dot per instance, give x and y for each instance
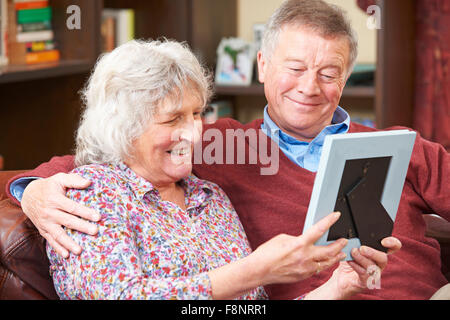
(236, 278)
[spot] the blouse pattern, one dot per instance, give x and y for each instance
(147, 248)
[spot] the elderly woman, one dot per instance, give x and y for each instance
(163, 233)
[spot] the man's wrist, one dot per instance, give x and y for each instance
(18, 186)
(328, 291)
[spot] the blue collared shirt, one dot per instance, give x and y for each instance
(305, 154)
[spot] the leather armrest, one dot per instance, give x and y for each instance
(437, 228)
(24, 271)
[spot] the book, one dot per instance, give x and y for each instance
(108, 34)
(34, 36)
(43, 35)
(124, 24)
(33, 4)
(3, 32)
(34, 15)
(37, 46)
(35, 26)
(40, 57)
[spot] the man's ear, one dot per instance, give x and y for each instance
(261, 61)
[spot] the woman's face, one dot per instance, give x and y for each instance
(163, 153)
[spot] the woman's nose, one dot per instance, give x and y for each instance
(188, 132)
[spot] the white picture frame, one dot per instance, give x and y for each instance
(337, 149)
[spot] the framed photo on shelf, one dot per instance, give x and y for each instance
(235, 60)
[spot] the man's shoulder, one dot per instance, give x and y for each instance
(356, 127)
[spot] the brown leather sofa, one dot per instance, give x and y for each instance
(24, 267)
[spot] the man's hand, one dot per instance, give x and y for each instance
(45, 203)
(352, 277)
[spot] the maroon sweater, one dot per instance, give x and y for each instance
(270, 205)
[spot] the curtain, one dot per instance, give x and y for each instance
(432, 96)
(432, 80)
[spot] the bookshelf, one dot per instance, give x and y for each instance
(40, 105)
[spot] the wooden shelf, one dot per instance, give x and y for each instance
(16, 73)
(257, 89)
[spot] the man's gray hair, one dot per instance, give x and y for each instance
(127, 87)
(325, 19)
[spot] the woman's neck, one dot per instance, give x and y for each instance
(173, 193)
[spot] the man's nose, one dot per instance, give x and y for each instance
(308, 84)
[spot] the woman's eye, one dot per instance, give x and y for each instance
(173, 120)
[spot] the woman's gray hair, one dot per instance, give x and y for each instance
(326, 19)
(127, 87)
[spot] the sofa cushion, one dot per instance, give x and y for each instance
(24, 272)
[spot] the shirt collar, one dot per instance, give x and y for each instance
(138, 185)
(339, 124)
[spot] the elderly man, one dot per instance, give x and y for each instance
(308, 52)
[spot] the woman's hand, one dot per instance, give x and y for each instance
(352, 277)
(287, 258)
(45, 203)
(282, 259)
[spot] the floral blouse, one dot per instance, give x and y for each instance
(147, 248)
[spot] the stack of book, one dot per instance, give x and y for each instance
(30, 34)
(117, 28)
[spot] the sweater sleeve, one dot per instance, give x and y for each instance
(429, 173)
(56, 165)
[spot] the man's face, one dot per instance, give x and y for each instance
(303, 80)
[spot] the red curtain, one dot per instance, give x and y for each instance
(432, 96)
(432, 85)
(364, 4)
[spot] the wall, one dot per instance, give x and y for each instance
(257, 11)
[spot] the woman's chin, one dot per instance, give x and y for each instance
(181, 171)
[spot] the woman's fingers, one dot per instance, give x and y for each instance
(316, 231)
(330, 251)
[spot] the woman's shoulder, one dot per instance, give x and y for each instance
(95, 170)
(100, 175)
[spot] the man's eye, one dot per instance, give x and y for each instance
(328, 77)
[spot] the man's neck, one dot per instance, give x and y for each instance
(307, 135)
